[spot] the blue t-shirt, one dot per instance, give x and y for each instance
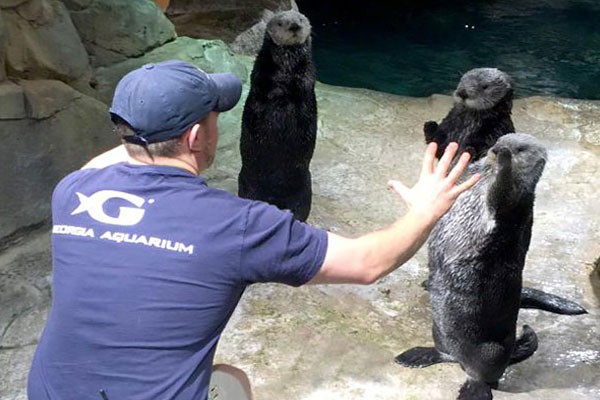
(148, 265)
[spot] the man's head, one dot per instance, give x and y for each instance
(156, 104)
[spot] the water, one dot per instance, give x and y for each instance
(550, 48)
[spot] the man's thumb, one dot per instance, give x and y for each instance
(399, 188)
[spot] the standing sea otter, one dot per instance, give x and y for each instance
(480, 115)
(279, 122)
(476, 258)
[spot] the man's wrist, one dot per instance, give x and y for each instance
(421, 219)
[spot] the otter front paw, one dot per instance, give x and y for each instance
(430, 128)
(504, 157)
(471, 150)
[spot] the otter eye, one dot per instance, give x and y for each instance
(485, 87)
(280, 24)
(521, 148)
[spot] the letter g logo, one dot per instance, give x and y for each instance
(94, 206)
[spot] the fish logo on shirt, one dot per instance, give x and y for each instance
(94, 206)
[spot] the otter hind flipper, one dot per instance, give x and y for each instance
(421, 357)
(525, 346)
(475, 390)
(534, 298)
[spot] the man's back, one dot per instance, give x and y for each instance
(149, 264)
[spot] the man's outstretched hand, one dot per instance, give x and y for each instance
(436, 190)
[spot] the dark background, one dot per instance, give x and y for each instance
(418, 48)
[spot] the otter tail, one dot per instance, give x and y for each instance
(475, 390)
(533, 298)
(525, 346)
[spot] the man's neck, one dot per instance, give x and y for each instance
(180, 162)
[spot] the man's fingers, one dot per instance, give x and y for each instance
(444, 164)
(399, 188)
(429, 159)
(466, 185)
(459, 168)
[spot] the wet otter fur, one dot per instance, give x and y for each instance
(480, 115)
(279, 121)
(476, 258)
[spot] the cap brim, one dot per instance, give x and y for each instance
(229, 88)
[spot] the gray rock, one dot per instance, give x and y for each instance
(63, 129)
(77, 5)
(114, 30)
(36, 11)
(220, 19)
(43, 43)
(24, 291)
(12, 101)
(25, 329)
(47, 98)
(209, 55)
(11, 3)
(2, 48)
(250, 41)
(13, 378)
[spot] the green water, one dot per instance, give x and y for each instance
(550, 48)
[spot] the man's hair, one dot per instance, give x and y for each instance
(168, 148)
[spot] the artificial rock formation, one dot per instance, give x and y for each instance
(47, 130)
(41, 42)
(2, 48)
(115, 30)
(221, 19)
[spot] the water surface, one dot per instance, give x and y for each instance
(548, 47)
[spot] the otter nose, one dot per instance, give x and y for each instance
(462, 93)
(294, 27)
(496, 148)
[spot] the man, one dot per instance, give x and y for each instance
(149, 262)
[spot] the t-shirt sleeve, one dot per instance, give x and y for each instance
(278, 248)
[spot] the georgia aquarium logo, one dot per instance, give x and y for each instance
(94, 206)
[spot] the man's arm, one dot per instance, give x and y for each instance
(376, 254)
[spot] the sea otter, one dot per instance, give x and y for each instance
(279, 121)
(476, 258)
(480, 115)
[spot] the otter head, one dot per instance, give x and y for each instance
(483, 88)
(288, 28)
(523, 154)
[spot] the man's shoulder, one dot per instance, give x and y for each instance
(74, 176)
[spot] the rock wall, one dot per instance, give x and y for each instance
(41, 42)
(221, 19)
(116, 30)
(59, 63)
(2, 47)
(48, 130)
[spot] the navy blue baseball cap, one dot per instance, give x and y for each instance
(161, 101)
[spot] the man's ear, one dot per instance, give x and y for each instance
(195, 138)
